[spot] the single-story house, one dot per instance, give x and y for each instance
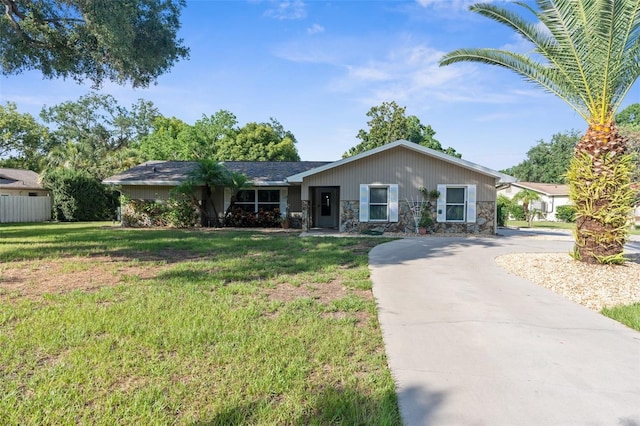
(552, 196)
(367, 192)
(22, 197)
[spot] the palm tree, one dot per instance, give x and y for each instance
(235, 182)
(527, 196)
(590, 51)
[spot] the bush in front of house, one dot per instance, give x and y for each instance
(177, 212)
(566, 213)
(516, 211)
(503, 205)
(181, 213)
(239, 218)
(79, 197)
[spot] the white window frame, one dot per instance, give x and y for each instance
(463, 204)
(469, 211)
(385, 203)
(391, 203)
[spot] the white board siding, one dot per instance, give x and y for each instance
(24, 209)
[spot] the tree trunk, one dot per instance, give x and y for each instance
(600, 188)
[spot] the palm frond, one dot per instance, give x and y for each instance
(591, 49)
(549, 78)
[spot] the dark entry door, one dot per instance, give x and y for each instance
(326, 207)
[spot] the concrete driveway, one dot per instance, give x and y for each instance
(470, 344)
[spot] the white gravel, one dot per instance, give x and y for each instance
(594, 286)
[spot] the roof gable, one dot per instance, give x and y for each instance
(500, 177)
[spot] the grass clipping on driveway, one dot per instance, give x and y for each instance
(113, 326)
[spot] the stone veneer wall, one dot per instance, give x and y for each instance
(350, 211)
(306, 215)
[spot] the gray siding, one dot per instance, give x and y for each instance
(410, 170)
(151, 193)
(294, 199)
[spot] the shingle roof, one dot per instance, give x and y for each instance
(19, 179)
(271, 171)
(545, 188)
(171, 173)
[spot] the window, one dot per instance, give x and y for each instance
(456, 203)
(33, 194)
(253, 200)
(378, 203)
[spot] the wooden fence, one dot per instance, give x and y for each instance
(15, 208)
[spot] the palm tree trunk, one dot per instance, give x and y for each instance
(600, 188)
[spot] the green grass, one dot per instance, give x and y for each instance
(628, 315)
(222, 328)
(541, 224)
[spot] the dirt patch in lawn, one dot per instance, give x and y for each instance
(33, 279)
(323, 293)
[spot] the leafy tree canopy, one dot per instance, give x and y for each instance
(23, 141)
(389, 123)
(259, 142)
(125, 41)
(163, 143)
(96, 134)
(547, 162)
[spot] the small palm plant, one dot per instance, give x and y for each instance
(590, 52)
(527, 197)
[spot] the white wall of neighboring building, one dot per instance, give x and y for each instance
(548, 204)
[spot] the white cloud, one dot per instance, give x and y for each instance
(315, 29)
(282, 10)
(449, 4)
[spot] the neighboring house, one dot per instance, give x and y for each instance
(365, 192)
(552, 196)
(22, 198)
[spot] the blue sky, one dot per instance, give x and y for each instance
(319, 66)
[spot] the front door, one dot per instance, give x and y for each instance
(326, 207)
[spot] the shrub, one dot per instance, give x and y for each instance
(77, 196)
(143, 214)
(503, 205)
(566, 213)
(517, 212)
(263, 219)
(177, 212)
(180, 213)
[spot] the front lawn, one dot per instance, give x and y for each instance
(101, 325)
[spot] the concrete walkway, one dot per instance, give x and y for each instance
(469, 344)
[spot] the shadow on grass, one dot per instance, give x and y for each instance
(328, 406)
(223, 255)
